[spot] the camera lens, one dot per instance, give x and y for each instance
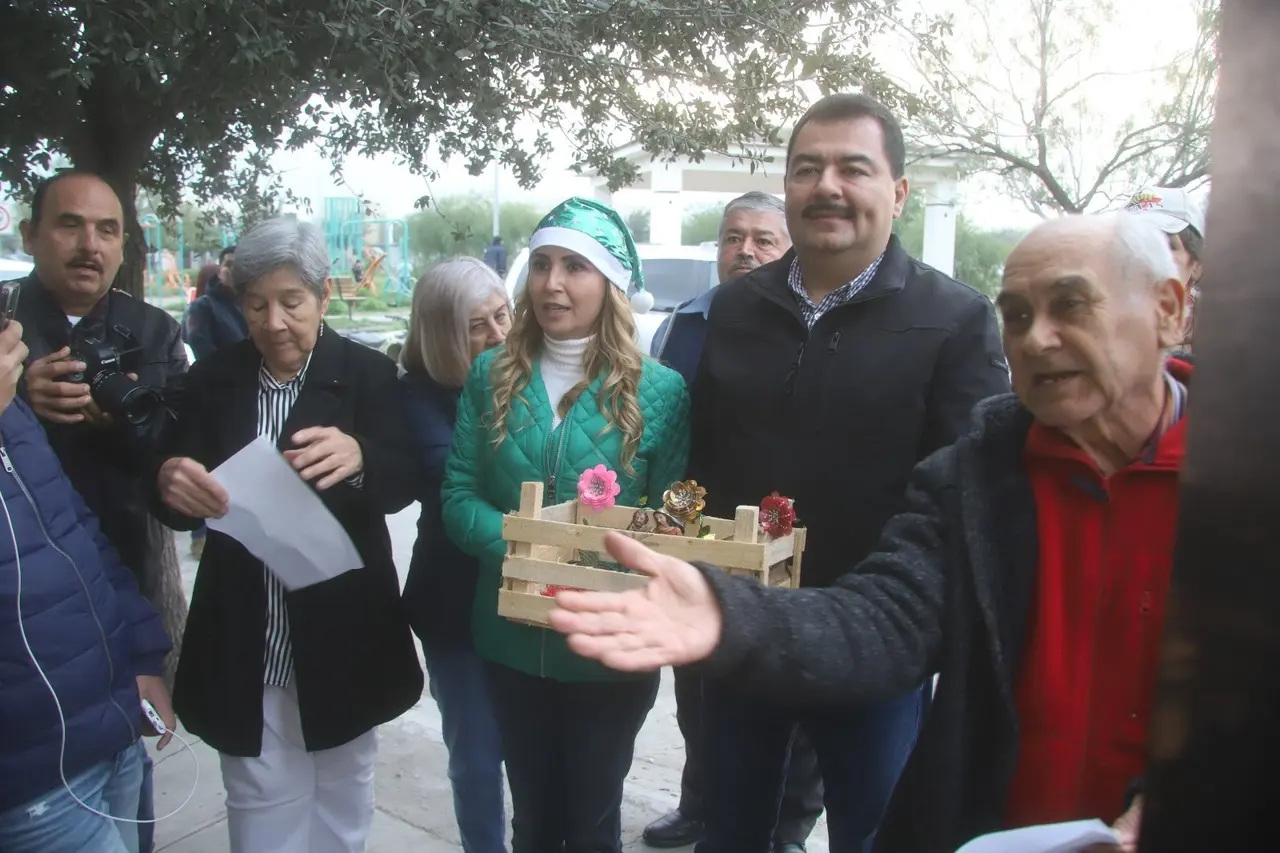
(121, 397)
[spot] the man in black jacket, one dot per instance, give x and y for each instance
(68, 309)
(753, 232)
(68, 312)
(826, 376)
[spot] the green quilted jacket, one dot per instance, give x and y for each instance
(482, 484)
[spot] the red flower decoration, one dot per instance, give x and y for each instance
(777, 515)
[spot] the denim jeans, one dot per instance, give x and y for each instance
(56, 823)
(861, 753)
(147, 804)
(457, 683)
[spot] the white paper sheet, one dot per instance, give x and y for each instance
(1050, 838)
(280, 520)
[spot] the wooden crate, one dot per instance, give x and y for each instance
(542, 542)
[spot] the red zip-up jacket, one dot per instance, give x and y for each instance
(1085, 690)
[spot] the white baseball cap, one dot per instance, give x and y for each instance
(1171, 210)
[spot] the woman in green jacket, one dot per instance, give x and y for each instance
(570, 390)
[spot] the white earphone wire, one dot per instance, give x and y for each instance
(57, 703)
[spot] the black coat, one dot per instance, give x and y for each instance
(836, 418)
(109, 468)
(355, 665)
(947, 590)
(441, 585)
(214, 321)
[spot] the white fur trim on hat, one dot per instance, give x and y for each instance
(582, 244)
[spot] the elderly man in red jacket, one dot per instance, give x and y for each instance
(1029, 572)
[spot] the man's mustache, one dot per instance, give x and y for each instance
(85, 261)
(814, 211)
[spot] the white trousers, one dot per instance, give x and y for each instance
(288, 800)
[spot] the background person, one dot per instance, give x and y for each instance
(207, 273)
(753, 232)
(215, 320)
(289, 686)
(495, 256)
(1181, 218)
(460, 309)
(70, 612)
(569, 390)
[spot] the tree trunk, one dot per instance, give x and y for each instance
(120, 171)
(113, 140)
(1213, 783)
(167, 593)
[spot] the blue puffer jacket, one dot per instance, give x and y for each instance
(72, 582)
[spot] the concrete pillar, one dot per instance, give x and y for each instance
(940, 226)
(666, 210)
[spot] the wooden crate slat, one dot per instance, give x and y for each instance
(740, 555)
(543, 541)
(797, 559)
(754, 574)
(566, 512)
(620, 518)
(780, 549)
(562, 574)
(550, 552)
(779, 575)
(746, 525)
(525, 607)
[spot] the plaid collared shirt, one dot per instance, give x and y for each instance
(813, 311)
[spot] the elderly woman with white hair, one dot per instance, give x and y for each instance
(460, 309)
(289, 684)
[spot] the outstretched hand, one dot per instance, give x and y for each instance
(674, 620)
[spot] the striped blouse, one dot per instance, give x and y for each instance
(275, 401)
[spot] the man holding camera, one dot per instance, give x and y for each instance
(102, 372)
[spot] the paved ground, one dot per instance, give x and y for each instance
(415, 807)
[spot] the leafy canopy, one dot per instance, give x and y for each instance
(195, 95)
(1038, 94)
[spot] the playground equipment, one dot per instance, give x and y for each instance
(162, 276)
(380, 245)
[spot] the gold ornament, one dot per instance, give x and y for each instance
(685, 500)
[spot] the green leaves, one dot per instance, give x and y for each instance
(194, 96)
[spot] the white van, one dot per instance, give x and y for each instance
(673, 274)
(14, 268)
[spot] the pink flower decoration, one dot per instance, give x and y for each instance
(597, 487)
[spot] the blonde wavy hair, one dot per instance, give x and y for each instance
(613, 353)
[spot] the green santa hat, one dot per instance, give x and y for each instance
(600, 235)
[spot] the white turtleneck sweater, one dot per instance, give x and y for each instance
(562, 369)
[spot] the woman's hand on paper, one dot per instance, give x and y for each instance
(187, 487)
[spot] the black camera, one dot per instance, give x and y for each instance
(105, 369)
